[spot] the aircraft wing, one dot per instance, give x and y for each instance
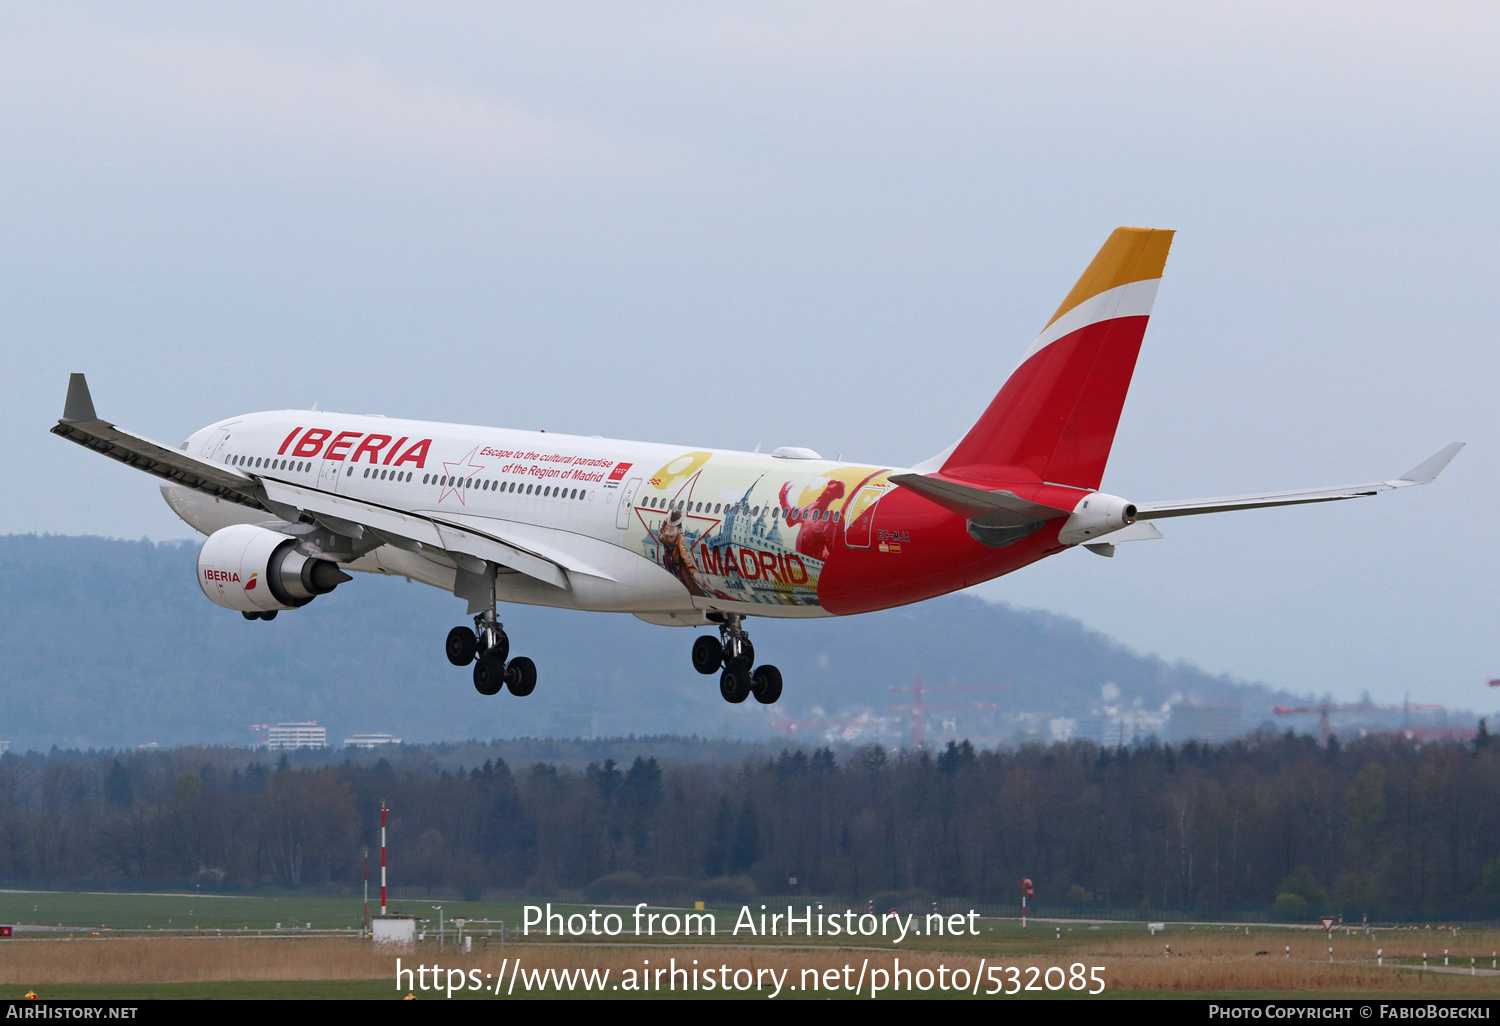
(578, 554)
(1423, 473)
(413, 532)
(79, 423)
(340, 514)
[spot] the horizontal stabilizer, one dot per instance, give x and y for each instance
(1137, 531)
(1423, 473)
(969, 501)
(1104, 545)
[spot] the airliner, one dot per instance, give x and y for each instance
(292, 501)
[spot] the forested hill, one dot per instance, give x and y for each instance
(111, 643)
(1268, 826)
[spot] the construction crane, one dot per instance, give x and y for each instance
(918, 709)
(1326, 709)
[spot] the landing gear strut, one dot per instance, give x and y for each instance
(488, 647)
(731, 655)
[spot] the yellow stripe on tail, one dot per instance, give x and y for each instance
(1129, 254)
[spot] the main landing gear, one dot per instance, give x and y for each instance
(731, 655)
(488, 648)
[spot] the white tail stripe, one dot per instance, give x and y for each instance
(1133, 299)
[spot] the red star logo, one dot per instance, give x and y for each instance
(459, 473)
(685, 493)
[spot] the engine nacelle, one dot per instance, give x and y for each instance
(1095, 515)
(254, 570)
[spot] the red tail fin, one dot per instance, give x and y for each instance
(1056, 415)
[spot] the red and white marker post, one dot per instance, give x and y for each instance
(383, 811)
(1026, 892)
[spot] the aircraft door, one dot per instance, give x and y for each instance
(212, 444)
(328, 475)
(627, 500)
(860, 526)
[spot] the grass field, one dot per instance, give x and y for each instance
(189, 946)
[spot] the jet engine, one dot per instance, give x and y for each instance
(256, 571)
(1096, 515)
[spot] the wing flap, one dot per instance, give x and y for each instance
(398, 526)
(456, 539)
(568, 550)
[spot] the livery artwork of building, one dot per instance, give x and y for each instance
(741, 543)
(753, 562)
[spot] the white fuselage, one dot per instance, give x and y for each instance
(597, 507)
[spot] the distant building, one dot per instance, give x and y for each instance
(393, 931)
(1192, 722)
(1116, 731)
(283, 736)
(4, 747)
(370, 740)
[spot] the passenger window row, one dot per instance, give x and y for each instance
(716, 507)
(509, 487)
(482, 484)
(381, 475)
(265, 463)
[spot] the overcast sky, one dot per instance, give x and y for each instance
(829, 225)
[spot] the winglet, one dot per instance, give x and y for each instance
(1428, 470)
(79, 405)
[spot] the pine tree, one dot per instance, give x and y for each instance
(746, 849)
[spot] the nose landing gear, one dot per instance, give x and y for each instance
(488, 647)
(731, 655)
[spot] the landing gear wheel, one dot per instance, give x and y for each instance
(520, 676)
(489, 674)
(268, 615)
(461, 646)
(708, 654)
(765, 684)
(250, 616)
(734, 684)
